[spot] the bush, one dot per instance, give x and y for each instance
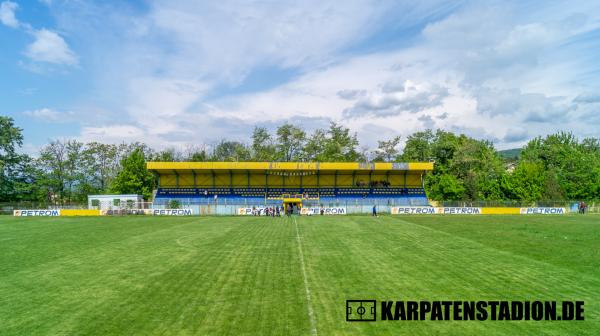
(174, 204)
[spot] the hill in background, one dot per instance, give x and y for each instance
(510, 154)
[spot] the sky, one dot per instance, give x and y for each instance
(188, 72)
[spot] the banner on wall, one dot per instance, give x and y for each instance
(543, 211)
(414, 210)
(147, 212)
(421, 210)
(126, 212)
(459, 211)
(308, 211)
(171, 212)
(37, 213)
(326, 211)
(259, 211)
(425, 210)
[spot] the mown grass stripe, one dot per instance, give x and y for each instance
(311, 314)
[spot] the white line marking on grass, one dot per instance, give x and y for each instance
(311, 314)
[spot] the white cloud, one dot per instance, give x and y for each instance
(112, 134)
(48, 46)
(7, 14)
(50, 115)
(487, 70)
(226, 40)
(516, 135)
(160, 106)
(51, 48)
(384, 103)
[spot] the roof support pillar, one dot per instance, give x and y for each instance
(318, 179)
(335, 173)
(176, 178)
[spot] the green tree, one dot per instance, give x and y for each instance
(480, 168)
(340, 145)
(134, 178)
(99, 166)
(418, 147)
(64, 172)
(335, 144)
(263, 148)
(167, 155)
(387, 150)
(231, 151)
(445, 187)
(290, 143)
(527, 182)
(75, 182)
(198, 156)
(11, 162)
(314, 147)
(464, 169)
(52, 162)
(574, 165)
(25, 182)
(101, 163)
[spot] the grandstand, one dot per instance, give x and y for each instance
(272, 183)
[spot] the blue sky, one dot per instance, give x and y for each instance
(180, 73)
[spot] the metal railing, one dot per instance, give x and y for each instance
(593, 206)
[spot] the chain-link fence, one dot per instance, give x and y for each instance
(592, 206)
(6, 208)
(224, 206)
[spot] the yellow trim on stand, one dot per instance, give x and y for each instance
(291, 166)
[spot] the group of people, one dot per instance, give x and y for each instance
(373, 184)
(277, 210)
(581, 207)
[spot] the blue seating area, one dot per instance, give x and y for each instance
(396, 195)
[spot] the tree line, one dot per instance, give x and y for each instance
(556, 167)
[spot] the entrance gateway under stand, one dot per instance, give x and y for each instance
(294, 200)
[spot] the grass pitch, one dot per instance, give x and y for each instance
(266, 276)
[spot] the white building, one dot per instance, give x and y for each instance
(115, 202)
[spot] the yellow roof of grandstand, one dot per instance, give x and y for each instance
(169, 167)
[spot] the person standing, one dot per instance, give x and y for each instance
(375, 210)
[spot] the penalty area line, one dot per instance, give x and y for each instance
(311, 314)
